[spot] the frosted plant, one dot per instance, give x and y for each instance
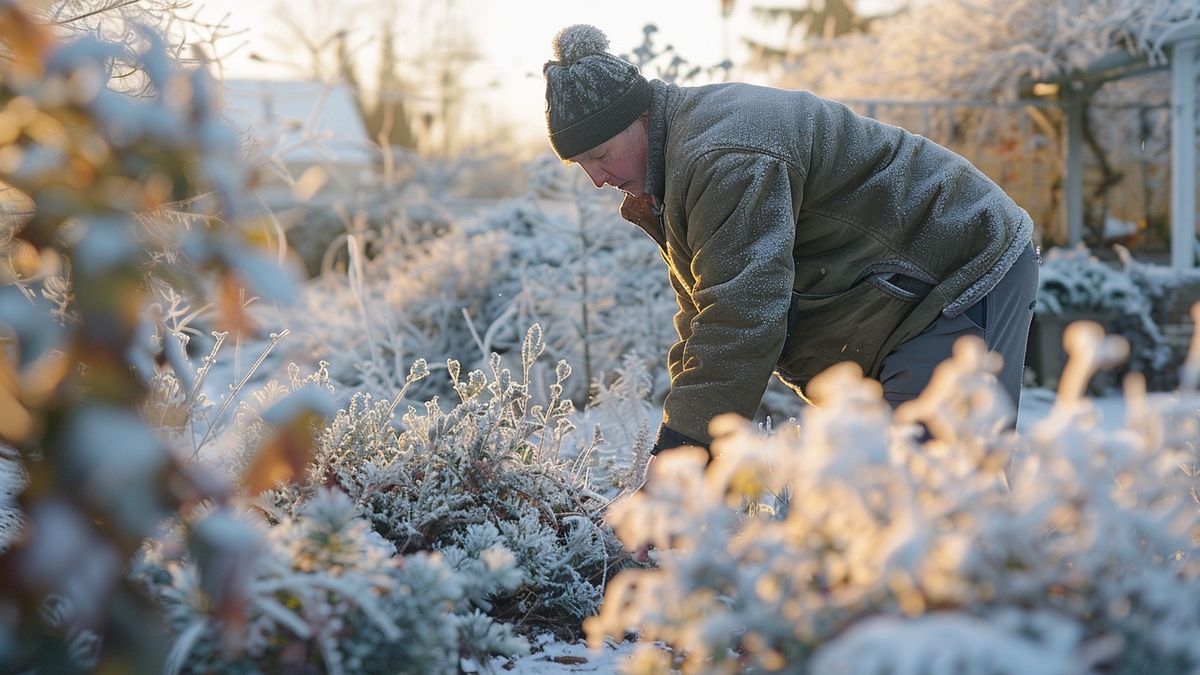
(411, 300)
(326, 592)
(13, 479)
(235, 451)
(981, 51)
(560, 257)
(481, 482)
(1013, 642)
(623, 423)
(104, 169)
(1072, 281)
(1069, 550)
(582, 275)
(988, 52)
(119, 23)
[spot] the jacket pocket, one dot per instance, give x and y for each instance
(847, 326)
(901, 286)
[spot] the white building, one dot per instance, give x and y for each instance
(292, 126)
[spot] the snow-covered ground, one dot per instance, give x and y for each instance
(561, 657)
(1036, 403)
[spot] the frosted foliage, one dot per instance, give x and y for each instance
(118, 181)
(561, 257)
(623, 425)
(1073, 281)
(951, 643)
(845, 545)
(327, 592)
(419, 299)
(12, 480)
(484, 484)
(981, 50)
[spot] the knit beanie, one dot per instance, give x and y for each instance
(591, 95)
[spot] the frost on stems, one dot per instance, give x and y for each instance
(481, 483)
(551, 258)
(1069, 549)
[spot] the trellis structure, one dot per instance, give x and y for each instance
(1184, 43)
(1180, 44)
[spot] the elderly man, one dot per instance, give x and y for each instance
(797, 234)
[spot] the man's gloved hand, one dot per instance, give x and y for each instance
(669, 438)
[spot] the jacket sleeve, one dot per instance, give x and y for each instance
(740, 210)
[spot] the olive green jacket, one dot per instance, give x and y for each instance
(777, 202)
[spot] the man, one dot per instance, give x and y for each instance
(797, 233)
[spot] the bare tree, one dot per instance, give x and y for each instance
(425, 50)
(809, 21)
(126, 23)
(390, 120)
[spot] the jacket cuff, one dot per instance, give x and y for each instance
(668, 438)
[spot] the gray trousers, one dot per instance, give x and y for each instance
(1001, 318)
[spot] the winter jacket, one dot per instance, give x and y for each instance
(783, 210)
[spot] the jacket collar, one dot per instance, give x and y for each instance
(656, 161)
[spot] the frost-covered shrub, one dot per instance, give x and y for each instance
(1076, 284)
(572, 265)
(480, 483)
(1075, 281)
(1167, 291)
(410, 301)
(327, 594)
(845, 545)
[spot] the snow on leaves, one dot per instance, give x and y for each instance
(847, 541)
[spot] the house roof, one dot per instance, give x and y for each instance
(300, 122)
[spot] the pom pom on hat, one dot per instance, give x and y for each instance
(591, 95)
(574, 42)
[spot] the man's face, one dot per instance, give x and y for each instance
(620, 161)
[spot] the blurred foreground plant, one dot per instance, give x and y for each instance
(851, 547)
(102, 169)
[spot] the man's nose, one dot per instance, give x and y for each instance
(597, 176)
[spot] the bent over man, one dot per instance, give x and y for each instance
(797, 234)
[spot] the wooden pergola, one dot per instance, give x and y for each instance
(1181, 46)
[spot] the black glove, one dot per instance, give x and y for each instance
(668, 438)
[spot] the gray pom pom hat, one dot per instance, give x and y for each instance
(591, 95)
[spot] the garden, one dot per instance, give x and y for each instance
(256, 421)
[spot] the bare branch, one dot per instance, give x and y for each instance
(117, 4)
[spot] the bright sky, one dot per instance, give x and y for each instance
(513, 35)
